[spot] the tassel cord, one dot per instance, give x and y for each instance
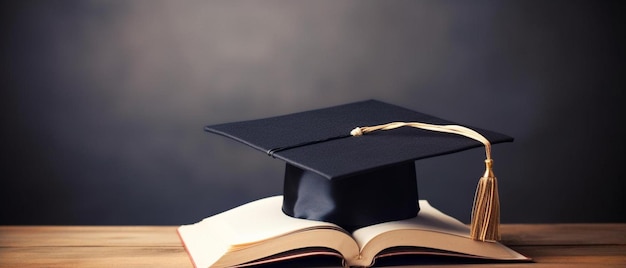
(453, 129)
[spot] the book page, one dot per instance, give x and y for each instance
(428, 218)
(212, 238)
(431, 228)
(264, 219)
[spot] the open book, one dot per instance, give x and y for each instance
(259, 232)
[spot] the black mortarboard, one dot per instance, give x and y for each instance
(351, 181)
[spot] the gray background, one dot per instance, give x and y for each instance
(103, 102)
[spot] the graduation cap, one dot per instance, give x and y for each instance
(353, 164)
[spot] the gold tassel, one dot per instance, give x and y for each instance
(486, 211)
(485, 223)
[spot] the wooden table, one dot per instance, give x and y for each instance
(550, 245)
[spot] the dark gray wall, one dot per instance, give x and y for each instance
(103, 102)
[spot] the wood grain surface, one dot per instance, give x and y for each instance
(550, 245)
